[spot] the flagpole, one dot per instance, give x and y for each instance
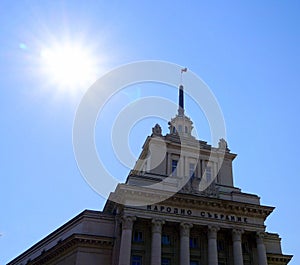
(181, 71)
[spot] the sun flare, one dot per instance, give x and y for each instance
(69, 66)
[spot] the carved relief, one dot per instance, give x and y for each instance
(192, 186)
(211, 191)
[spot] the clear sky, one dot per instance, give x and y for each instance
(247, 52)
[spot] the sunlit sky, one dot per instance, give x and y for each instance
(247, 53)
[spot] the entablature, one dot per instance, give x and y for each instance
(141, 196)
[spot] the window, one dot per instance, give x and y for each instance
(138, 236)
(194, 242)
(192, 170)
(221, 245)
(136, 260)
(166, 240)
(180, 128)
(193, 262)
(174, 167)
(165, 261)
(185, 129)
(208, 174)
(245, 247)
(174, 130)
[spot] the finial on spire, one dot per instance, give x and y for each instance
(181, 96)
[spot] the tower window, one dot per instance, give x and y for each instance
(208, 174)
(174, 167)
(192, 170)
(174, 130)
(185, 129)
(180, 128)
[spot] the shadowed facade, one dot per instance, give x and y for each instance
(178, 206)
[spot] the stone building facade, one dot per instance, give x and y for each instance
(178, 206)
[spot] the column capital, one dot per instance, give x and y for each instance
(185, 229)
(260, 237)
(157, 225)
(127, 222)
(125, 246)
(212, 231)
(237, 234)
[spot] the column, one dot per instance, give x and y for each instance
(156, 241)
(261, 249)
(185, 243)
(125, 248)
(212, 245)
(237, 246)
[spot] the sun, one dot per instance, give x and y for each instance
(70, 67)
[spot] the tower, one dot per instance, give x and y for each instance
(178, 206)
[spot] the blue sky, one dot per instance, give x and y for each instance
(247, 52)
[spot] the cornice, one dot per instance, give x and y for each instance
(226, 206)
(84, 215)
(69, 243)
(131, 193)
(188, 143)
(279, 259)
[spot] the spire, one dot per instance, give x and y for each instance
(181, 124)
(181, 101)
(181, 95)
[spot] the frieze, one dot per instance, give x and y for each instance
(197, 213)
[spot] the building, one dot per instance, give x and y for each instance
(178, 206)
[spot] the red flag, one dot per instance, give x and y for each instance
(183, 70)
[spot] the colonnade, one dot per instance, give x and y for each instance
(212, 235)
